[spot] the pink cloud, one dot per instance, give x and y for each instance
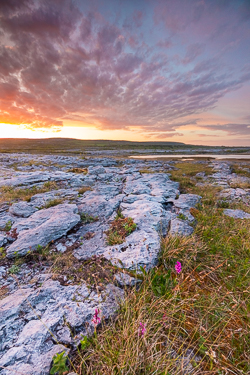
(58, 62)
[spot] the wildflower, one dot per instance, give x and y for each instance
(164, 317)
(96, 319)
(142, 329)
(178, 267)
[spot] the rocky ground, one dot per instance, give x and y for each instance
(62, 207)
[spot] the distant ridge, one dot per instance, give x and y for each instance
(86, 141)
(59, 145)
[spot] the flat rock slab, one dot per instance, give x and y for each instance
(237, 214)
(24, 179)
(43, 227)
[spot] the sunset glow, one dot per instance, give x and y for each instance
(133, 70)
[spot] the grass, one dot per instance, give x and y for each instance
(239, 170)
(205, 308)
(78, 170)
(182, 217)
(186, 174)
(10, 194)
(83, 190)
(96, 272)
(86, 218)
(53, 202)
(120, 228)
(146, 170)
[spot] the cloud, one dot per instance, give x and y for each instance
(193, 51)
(61, 61)
(230, 129)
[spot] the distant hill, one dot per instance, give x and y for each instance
(78, 146)
(62, 145)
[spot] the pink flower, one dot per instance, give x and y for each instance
(164, 317)
(96, 319)
(142, 329)
(178, 267)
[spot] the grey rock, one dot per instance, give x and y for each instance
(101, 202)
(124, 279)
(93, 246)
(237, 214)
(2, 271)
(236, 194)
(5, 219)
(140, 248)
(96, 170)
(60, 247)
(22, 209)
(3, 207)
(42, 227)
(25, 179)
(3, 240)
(186, 201)
(180, 227)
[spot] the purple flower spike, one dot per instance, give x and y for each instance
(178, 267)
(142, 329)
(96, 319)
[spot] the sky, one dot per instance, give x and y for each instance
(139, 70)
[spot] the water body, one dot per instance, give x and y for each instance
(190, 157)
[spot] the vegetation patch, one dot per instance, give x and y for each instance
(120, 228)
(8, 226)
(78, 170)
(10, 194)
(83, 190)
(147, 170)
(181, 216)
(86, 218)
(53, 202)
(240, 170)
(96, 272)
(186, 172)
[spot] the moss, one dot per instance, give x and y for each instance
(120, 228)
